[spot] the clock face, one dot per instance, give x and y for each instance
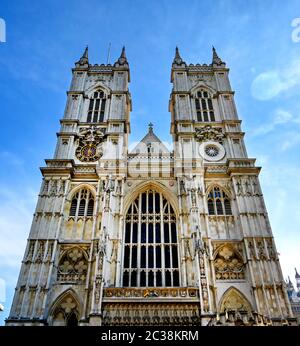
(87, 153)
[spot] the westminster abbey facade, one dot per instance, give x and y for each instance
(150, 236)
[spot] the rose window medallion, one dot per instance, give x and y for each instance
(211, 150)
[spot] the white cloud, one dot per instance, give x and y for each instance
(280, 117)
(272, 83)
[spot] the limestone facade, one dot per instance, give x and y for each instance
(150, 236)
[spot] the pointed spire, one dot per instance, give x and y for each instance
(123, 54)
(150, 127)
(297, 276)
(177, 59)
(122, 59)
(86, 53)
(84, 60)
(290, 287)
(216, 60)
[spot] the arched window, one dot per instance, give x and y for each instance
(218, 202)
(151, 248)
(97, 107)
(204, 106)
(82, 203)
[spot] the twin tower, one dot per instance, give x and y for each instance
(150, 236)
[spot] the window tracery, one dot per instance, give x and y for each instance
(204, 106)
(218, 203)
(82, 203)
(72, 266)
(97, 107)
(151, 248)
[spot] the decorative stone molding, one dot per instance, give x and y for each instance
(145, 293)
(151, 314)
(72, 266)
(54, 187)
(66, 311)
(228, 263)
(209, 133)
(90, 147)
(211, 151)
(233, 300)
(216, 169)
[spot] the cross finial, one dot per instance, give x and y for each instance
(150, 127)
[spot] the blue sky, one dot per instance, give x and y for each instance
(43, 40)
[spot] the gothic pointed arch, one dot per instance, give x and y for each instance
(98, 99)
(140, 187)
(81, 201)
(203, 96)
(203, 85)
(218, 200)
(79, 187)
(150, 250)
(234, 300)
(99, 85)
(65, 310)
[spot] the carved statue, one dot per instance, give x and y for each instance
(209, 133)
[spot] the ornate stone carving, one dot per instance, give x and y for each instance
(239, 189)
(182, 187)
(40, 252)
(73, 266)
(180, 293)
(90, 147)
(151, 314)
(193, 197)
(209, 133)
(53, 188)
(98, 282)
(228, 264)
(203, 282)
(255, 187)
(261, 251)
(233, 300)
(271, 251)
(216, 169)
(66, 310)
(251, 249)
(187, 249)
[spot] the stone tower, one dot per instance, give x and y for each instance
(150, 236)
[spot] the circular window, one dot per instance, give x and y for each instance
(212, 151)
